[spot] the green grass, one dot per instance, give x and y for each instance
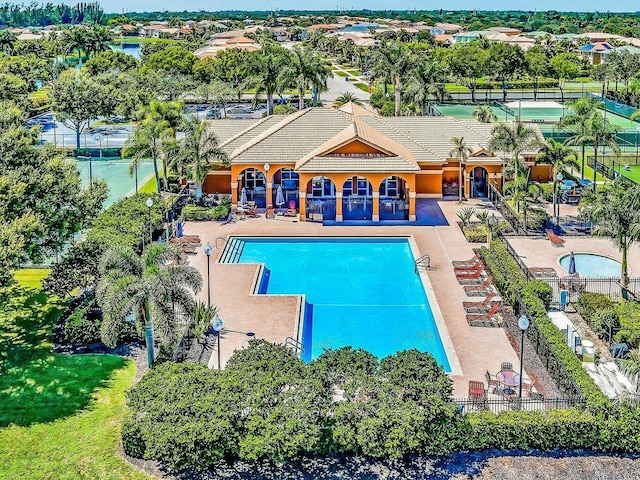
(60, 415)
(31, 277)
(362, 86)
(150, 186)
(340, 73)
(453, 88)
(355, 73)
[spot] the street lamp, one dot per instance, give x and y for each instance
(207, 250)
(218, 326)
(556, 196)
(523, 323)
(149, 205)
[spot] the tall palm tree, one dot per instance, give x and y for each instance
(346, 97)
(615, 212)
(299, 72)
(147, 142)
(426, 81)
(514, 138)
(484, 114)
(75, 38)
(98, 39)
(461, 152)
(320, 73)
(397, 60)
(153, 287)
(576, 123)
(266, 76)
(557, 154)
(198, 150)
(597, 131)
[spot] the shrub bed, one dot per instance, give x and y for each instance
(605, 317)
(511, 280)
(268, 403)
(196, 213)
(475, 233)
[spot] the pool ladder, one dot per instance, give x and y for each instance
(423, 262)
(295, 345)
(233, 247)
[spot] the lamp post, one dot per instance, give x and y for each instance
(556, 196)
(269, 192)
(149, 205)
(207, 250)
(218, 326)
(523, 323)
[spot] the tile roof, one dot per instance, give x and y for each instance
(308, 139)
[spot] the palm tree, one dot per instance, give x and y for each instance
(266, 74)
(514, 138)
(7, 41)
(320, 73)
(98, 39)
(576, 123)
(299, 72)
(75, 38)
(597, 131)
(557, 154)
(461, 152)
(426, 81)
(166, 115)
(147, 141)
(153, 287)
(484, 114)
(346, 97)
(397, 60)
(198, 150)
(615, 212)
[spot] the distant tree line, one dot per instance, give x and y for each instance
(41, 15)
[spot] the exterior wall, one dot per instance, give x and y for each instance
(541, 173)
(356, 147)
(429, 182)
(217, 181)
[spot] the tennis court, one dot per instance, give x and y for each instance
(116, 173)
(465, 112)
(627, 165)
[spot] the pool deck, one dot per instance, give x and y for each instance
(274, 317)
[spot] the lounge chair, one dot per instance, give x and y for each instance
(479, 307)
(479, 290)
(252, 212)
(467, 263)
(291, 211)
(555, 240)
(473, 268)
(474, 278)
(485, 320)
(473, 274)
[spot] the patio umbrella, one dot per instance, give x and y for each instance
(243, 196)
(572, 264)
(279, 197)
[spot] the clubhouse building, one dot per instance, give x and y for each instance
(351, 164)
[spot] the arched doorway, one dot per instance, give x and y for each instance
(357, 199)
(393, 203)
(321, 199)
(255, 185)
(289, 181)
(479, 182)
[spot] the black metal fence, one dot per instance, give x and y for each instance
(612, 171)
(497, 405)
(556, 367)
(574, 286)
(522, 224)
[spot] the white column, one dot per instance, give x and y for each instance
(375, 217)
(338, 206)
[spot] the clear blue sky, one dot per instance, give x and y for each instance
(191, 5)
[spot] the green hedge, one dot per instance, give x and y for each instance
(195, 213)
(605, 316)
(542, 83)
(269, 404)
(510, 279)
(475, 233)
(83, 326)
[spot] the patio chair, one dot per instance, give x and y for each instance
(479, 307)
(291, 210)
(252, 212)
(474, 274)
(471, 269)
(555, 240)
(491, 381)
(506, 367)
(467, 263)
(479, 290)
(486, 320)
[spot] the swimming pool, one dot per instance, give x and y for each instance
(592, 265)
(362, 292)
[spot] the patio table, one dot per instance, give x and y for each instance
(509, 379)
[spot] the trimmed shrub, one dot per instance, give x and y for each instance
(539, 289)
(628, 314)
(475, 233)
(196, 213)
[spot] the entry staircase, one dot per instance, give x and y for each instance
(232, 249)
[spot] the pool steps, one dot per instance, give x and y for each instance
(232, 250)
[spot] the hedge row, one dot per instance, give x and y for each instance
(536, 297)
(605, 316)
(542, 83)
(196, 213)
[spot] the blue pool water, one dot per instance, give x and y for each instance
(363, 292)
(592, 265)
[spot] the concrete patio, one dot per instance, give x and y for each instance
(274, 317)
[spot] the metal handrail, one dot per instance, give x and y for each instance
(298, 347)
(420, 261)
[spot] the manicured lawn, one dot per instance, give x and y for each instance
(60, 415)
(150, 186)
(355, 73)
(31, 277)
(452, 87)
(362, 86)
(340, 73)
